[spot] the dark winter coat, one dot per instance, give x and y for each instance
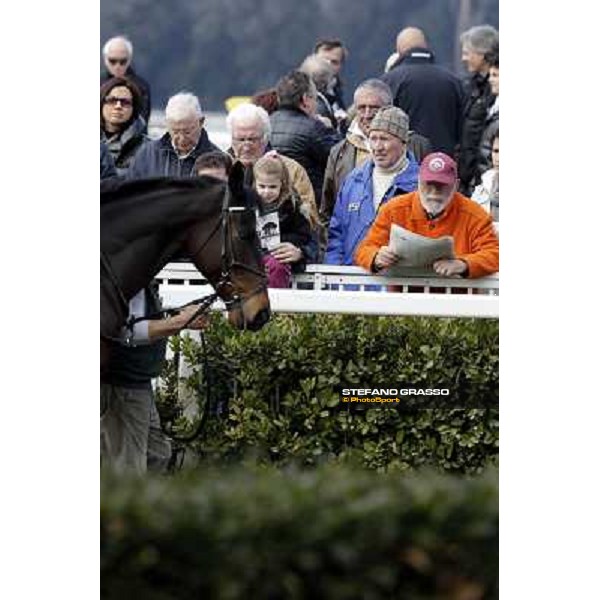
(305, 139)
(124, 146)
(107, 164)
(431, 96)
(492, 123)
(158, 158)
(478, 101)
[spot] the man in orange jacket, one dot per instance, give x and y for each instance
(434, 210)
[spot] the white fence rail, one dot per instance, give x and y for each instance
(181, 283)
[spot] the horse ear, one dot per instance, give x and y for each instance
(236, 183)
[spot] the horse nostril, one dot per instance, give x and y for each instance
(262, 318)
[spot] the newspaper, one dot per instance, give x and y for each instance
(268, 230)
(417, 252)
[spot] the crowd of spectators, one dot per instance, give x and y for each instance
(418, 147)
(341, 171)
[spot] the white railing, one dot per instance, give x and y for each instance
(181, 283)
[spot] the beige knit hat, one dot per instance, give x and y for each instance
(393, 120)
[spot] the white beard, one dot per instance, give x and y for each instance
(434, 207)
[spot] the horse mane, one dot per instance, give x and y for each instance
(130, 209)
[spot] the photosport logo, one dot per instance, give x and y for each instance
(411, 397)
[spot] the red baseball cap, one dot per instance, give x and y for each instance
(439, 168)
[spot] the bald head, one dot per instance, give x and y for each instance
(117, 55)
(409, 38)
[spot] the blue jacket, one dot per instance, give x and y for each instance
(157, 158)
(354, 212)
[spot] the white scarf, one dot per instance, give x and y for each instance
(382, 179)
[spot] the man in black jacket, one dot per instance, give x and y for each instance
(431, 95)
(477, 42)
(174, 154)
(118, 52)
(295, 132)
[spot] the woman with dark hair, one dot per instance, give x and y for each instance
(121, 124)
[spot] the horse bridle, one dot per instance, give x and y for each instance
(228, 263)
(228, 260)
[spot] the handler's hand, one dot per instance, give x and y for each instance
(450, 267)
(385, 258)
(287, 253)
(181, 318)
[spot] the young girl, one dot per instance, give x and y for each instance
(283, 230)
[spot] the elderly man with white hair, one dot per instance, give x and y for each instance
(118, 54)
(174, 154)
(250, 130)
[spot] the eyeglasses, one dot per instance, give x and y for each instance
(118, 61)
(247, 140)
(363, 108)
(113, 100)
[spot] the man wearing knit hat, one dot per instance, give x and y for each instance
(389, 172)
(436, 209)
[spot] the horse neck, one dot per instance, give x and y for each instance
(189, 216)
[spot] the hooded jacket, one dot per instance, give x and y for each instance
(354, 211)
(123, 147)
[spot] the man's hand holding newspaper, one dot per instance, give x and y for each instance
(410, 252)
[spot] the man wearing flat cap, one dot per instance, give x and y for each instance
(435, 209)
(389, 172)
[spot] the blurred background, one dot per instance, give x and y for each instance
(222, 48)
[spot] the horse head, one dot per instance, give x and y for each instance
(232, 261)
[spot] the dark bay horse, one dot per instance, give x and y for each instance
(146, 223)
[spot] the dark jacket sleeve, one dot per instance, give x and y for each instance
(140, 165)
(296, 230)
(107, 164)
(323, 140)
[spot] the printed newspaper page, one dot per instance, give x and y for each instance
(417, 252)
(268, 230)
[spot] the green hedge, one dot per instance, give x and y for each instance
(328, 532)
(285, 408)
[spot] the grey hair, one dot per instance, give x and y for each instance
(250, 112)
(481, 39)
(183, 106)
(319, 70)
(123, 40)
(381, 88)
